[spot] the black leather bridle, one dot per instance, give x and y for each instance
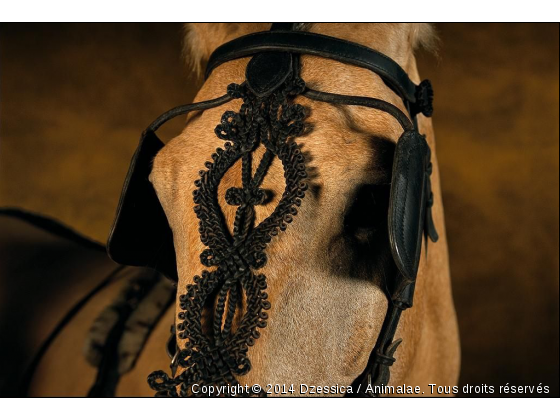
(141, 234)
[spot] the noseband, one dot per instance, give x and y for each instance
(268, 117)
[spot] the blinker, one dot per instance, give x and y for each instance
(140, 235)
(408, 204)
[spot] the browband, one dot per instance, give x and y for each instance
(325, 46)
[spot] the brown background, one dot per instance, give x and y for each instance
(75, 97)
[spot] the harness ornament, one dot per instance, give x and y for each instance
(270, 121)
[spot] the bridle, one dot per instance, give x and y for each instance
(268, 117)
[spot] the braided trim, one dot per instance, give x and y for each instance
(236, 258)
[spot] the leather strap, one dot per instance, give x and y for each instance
(334, 98)
(185, 109)
(320, 45)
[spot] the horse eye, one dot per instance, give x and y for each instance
(367, 214)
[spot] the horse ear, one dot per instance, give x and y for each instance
(141, 235)
(408, 201)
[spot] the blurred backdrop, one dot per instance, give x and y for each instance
(74, 99)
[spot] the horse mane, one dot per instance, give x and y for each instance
(425, 37)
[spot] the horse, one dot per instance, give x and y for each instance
(326, 273)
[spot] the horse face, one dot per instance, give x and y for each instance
(327, 272)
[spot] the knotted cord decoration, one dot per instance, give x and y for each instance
(424, 99)
(271, 121)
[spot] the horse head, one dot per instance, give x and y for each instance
(312, 189)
